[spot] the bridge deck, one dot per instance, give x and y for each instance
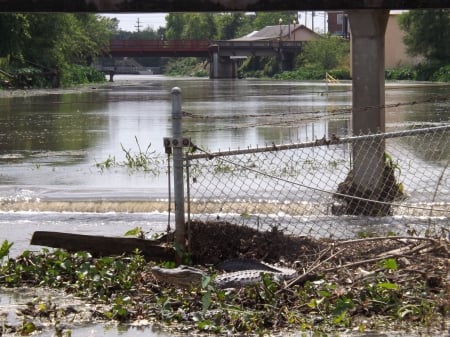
(199, 48)
(159, 48)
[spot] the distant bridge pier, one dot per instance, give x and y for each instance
(221, 66)
(111, 75)
(285, 60)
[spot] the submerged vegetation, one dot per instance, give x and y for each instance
(357, 285)
(144, 161)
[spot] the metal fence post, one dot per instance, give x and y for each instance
(180, 230)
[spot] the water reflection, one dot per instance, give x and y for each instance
(50, 123)
(56, 140)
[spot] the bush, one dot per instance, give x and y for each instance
(428, 71)
(313, 74)
(340, 74)
(77, 74)
(328, 52)
(302, 74)
(400, 73)
(425, 71)
(259, 67)
(442, 74)
(181, 67)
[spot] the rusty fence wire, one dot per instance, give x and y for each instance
(314, 188)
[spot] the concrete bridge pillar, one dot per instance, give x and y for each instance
(367, 179)
(285, 61)
(221, 66)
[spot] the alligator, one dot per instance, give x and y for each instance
(238, 273)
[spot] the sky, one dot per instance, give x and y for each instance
(129, 22)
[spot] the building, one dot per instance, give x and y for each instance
(281, 32)
(338, 24)
(395, 50)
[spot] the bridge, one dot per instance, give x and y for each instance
(159, 48)
(221, 54)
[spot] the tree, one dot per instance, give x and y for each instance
(427, 34)
(190, 26)
(326, 53)
(15, 33)
(221, 26)
(50, 45)
(52, 40)
(229, 25)
(175, 23)
(264, 19)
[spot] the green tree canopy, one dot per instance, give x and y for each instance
(221, 26)
(190, 26)
(326, 53)
(229, 25)
(54, 40)
(263, 19)
(15, 33)
(428, 33)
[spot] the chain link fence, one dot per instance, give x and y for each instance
(313, 188)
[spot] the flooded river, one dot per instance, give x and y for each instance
(54, 148)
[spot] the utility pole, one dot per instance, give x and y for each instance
(138, 25)
(313, 14)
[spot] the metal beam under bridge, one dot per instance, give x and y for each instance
(100, 6)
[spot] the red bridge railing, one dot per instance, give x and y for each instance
(194, 47)
(131, 47)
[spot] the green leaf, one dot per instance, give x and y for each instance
(390, 264)
(324, 293)
(388, 285)
(134, 232)
(206, 279)
(206, 301)
(342, 306)
(4, 249)
(204, 325)
(28, 328)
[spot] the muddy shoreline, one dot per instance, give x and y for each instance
(8, 93)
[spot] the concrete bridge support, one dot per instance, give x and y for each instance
(368, 176)
(221, 66)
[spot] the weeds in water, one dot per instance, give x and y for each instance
(145, 161)
(4, 250)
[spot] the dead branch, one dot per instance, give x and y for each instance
(378, 238)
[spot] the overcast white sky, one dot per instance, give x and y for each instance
(129, 23)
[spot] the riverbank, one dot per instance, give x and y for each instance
(54, 91)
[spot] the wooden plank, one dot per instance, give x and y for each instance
(124, 6)
(102, 245)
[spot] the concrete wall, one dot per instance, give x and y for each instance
(395, 49)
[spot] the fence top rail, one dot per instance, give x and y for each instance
(319, 142)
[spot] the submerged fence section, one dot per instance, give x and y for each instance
(310, 188)
(306, 188)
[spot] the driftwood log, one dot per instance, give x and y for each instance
(102, 245)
